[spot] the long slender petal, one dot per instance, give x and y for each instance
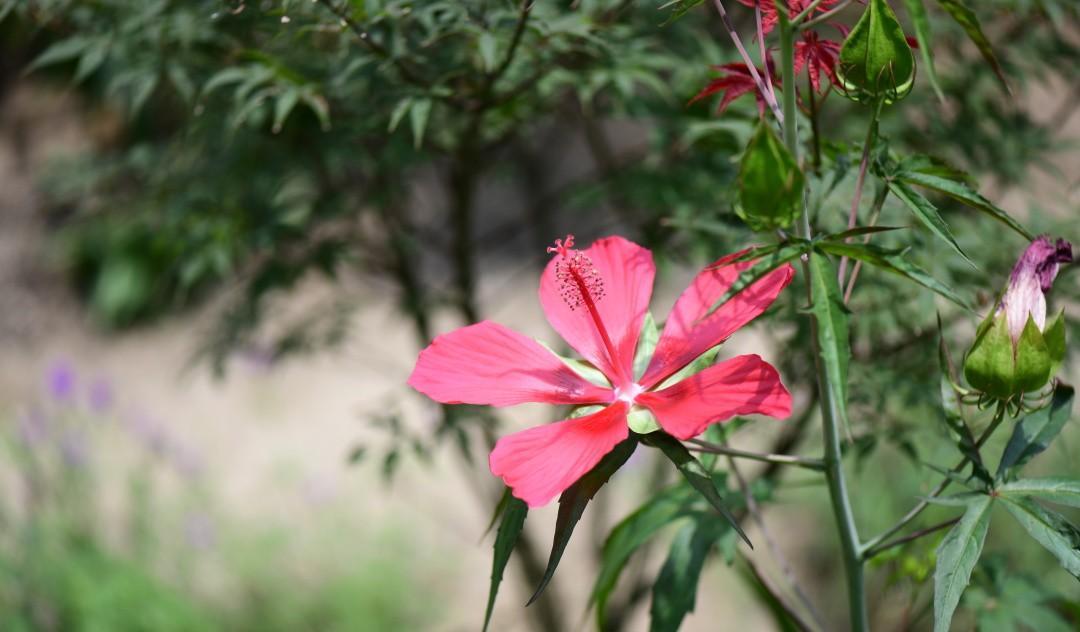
(541, 462)
(625, 271)
(687, 334)
(743, 385)
(488, 363)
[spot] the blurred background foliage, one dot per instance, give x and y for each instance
(244, 148)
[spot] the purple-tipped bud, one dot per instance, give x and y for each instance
(61, 381)
(1031, 279)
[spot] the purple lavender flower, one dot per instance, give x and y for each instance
(61, 381)
(1031, 278)
(100, 396)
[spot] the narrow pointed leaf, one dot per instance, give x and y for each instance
(831, 319)
(961, 191)
(919, 19)
(1063, 491)
(1049, 529)
(1036, 430)
(769, 260)
(695, 474)
(572, 505)
(674, 593)
(927, 213)
(513, 520)
(956, 558)
(967, 20)
(892, 261)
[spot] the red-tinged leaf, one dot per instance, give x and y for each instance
(735, 81)
(818, 56)
(769, 17)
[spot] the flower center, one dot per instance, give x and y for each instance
(629, 393)
(581, 285)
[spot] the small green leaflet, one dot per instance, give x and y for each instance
(513, 520)
(573, 501)
(925, 211)
(955, 185)
(1036, 430)
(1049, 529)
(1063, 491)
(674, 593)
(956, 557)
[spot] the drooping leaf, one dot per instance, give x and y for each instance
(928, 214)
(670, 505)
(831, 319)
(513, 520)
(956, 558)
(674, 592)
(876, 62)
(1049, 529)
(892, 261)
(770, 183)
(1036, 430)
(1063, 491)
(695, 473)
(917, 10)
(967, 19)
(573, 501)
(957, 187)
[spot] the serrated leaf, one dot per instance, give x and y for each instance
(919, 19)
(675, 590)
(769, 259)
(892, 261)
(572, 505)
(1049, 529)
(513, 521)
(1036, 430)
(694, 473)
(967, 20)
(928, 214)
(962, 192)
(670, 505)
(956, 558)
(1063, 491)
(831, 319)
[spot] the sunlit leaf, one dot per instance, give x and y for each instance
(513, 520)
(956, 558)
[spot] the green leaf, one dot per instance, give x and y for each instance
(672, 504)
(768, 259)
(418, 119)
(487, 45)
(1063, 491)
(61, 51)
(892, 261)
(859, 231)
(675, 590)
(283, 107)
(928, 214)
(917, 10)
(770, 183)
(955, 186)
(831, 319)
(573, 501)
(1036, 430)
(875, 62)
(646, 345)
(513, 520)
(1049, 529)
(695, 474)
(967, 19)
(956, 557)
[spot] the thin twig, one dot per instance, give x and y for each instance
(764, 52)
(908, 538)
(770, 98)
(825, 17)
(864, 164)
(875, 213)
(780, 459)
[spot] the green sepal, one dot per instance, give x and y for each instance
(990, 365)
(1032, 359)
(1054, 335)
(770, 183)
(876, 62)
(642, 421)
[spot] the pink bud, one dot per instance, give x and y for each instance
(1031, 278)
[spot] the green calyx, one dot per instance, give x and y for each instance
(1003, 369)
(770, 183)
(876, 62)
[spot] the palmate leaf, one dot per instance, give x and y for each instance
(967, 19)
(925, 211)
(1036, 430)
(1049, 529)
(831, 319)
(694, 473)
(674, 593)
(892, 261)
(572, 505)
(514, 511)
(670, 505)
(955, 185)
(956, 558)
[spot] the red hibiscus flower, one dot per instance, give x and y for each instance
(597, 300)
(818, 55)
(769, 18)
(734, 81)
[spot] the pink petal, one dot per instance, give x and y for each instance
(538, 464)
(743, 385)
(626, 271)
(687, 335)
(487, 363)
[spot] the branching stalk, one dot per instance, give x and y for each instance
(770, 98)
(860, 181)
(779, 459)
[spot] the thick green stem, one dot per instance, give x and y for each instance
(830, 407)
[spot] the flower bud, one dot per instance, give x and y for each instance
(770, 183)
(1015, 350)
(876, 63)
